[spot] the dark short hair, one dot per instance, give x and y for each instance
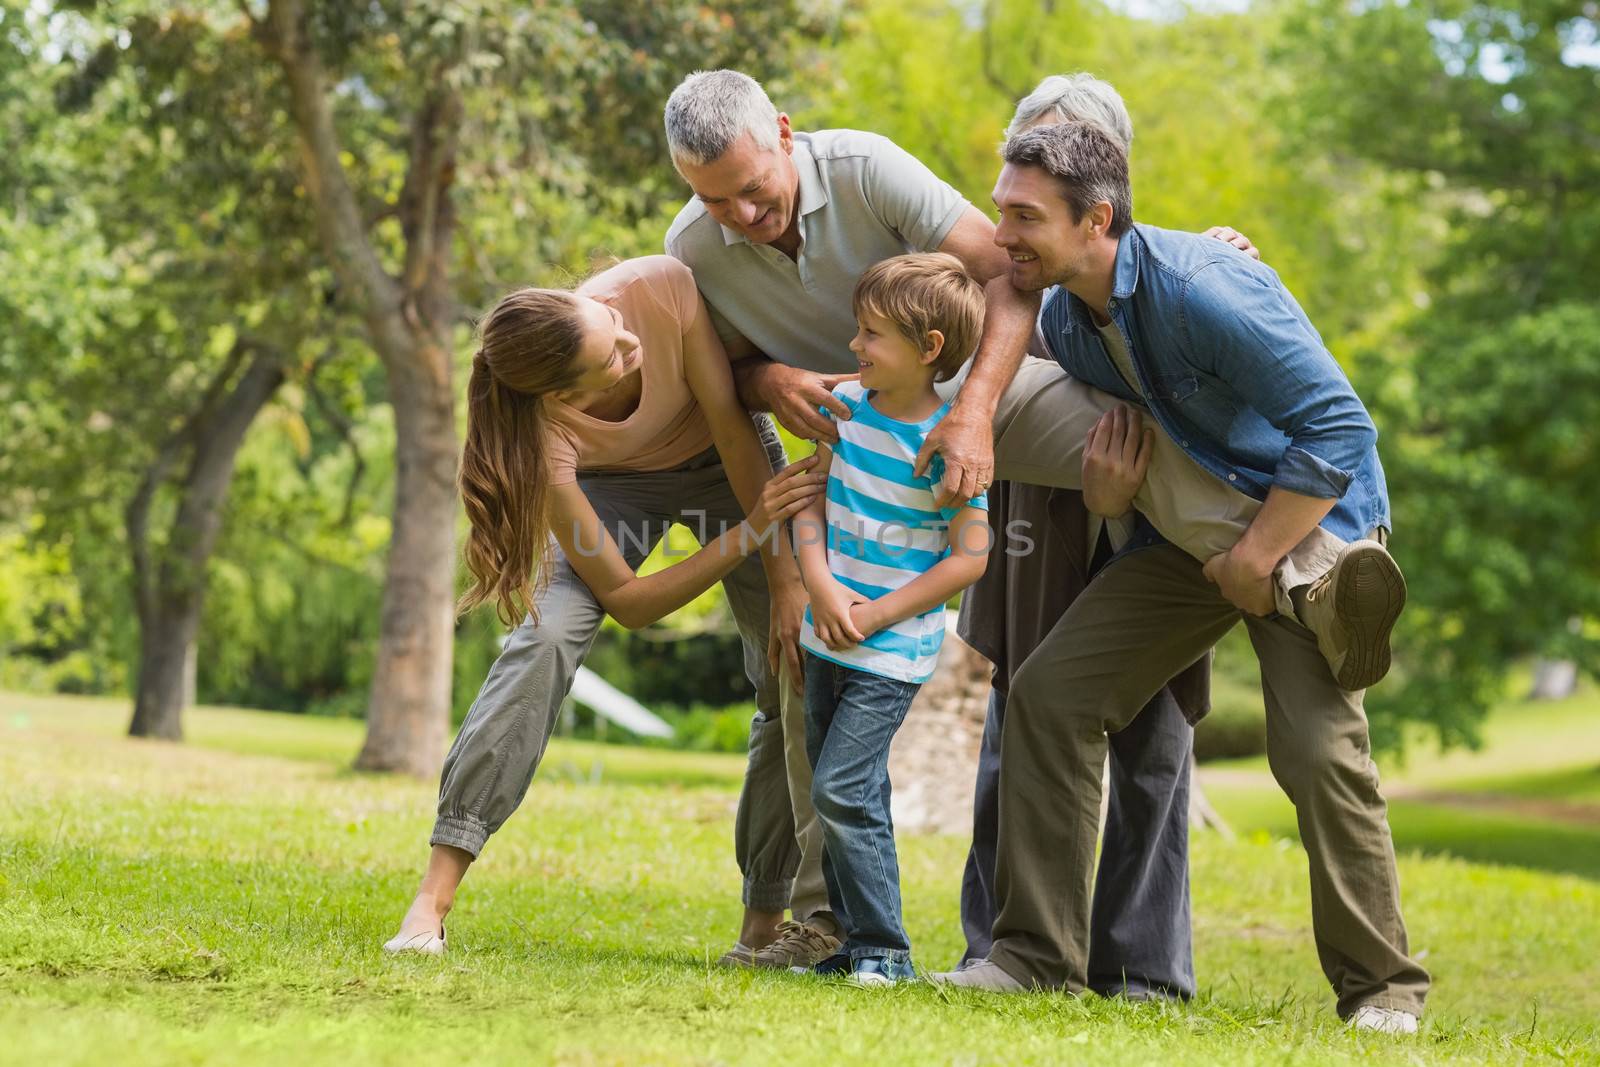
(1088, 164)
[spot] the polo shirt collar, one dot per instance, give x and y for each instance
(813, 194)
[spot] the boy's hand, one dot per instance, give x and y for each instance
(831, 605)
(867, 618)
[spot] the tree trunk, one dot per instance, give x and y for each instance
(170, 594)
(409, 321)
(407, 715)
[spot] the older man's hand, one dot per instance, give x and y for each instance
(794, 396)
(965, 439)
(1229, 235)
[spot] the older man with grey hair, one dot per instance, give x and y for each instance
(781, 226)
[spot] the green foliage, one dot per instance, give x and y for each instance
(1486, 391)
(708, 728)
(159, 217)
(1424, 176)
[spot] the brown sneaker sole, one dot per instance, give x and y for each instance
(1370, 594)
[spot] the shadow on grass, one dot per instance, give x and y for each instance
(1473, 834)
(1487, 837)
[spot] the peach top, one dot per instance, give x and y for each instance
(658, 301)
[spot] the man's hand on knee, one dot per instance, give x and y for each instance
(1243, 583)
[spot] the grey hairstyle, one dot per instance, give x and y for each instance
(1074, 98)
(711, 109)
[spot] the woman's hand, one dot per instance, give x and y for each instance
(831, 604)
(781, 498)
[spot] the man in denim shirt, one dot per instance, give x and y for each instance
(1218, 352)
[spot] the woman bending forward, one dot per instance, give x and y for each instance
(598, 418)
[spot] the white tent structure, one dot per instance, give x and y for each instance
(615, 706)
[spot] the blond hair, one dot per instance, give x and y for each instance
(924, 291)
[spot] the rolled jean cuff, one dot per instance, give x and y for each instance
(767, 896)
(467, 834)
(861, 952)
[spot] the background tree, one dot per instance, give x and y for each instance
(1489, 391)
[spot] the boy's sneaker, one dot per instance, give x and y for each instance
(1351, 610)
(798, 945)
(876, 971)
(835, 966)
(1383, 1020)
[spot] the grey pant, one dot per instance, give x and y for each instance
(1139, 933)
(492, 763)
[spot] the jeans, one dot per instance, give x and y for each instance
(851, 716)
(1139, 935)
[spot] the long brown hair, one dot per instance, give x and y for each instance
(529, 344)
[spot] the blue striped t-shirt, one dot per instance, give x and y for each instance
(883, 531)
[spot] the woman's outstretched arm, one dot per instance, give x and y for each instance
(634, 601)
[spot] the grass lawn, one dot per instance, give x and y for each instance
(223, 902)
(1529, 797)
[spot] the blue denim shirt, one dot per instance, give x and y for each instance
(1232, 370)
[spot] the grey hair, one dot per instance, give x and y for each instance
(1086, 162)
(1074, 98)
(711, 109)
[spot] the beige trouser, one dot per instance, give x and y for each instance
(1039, 429)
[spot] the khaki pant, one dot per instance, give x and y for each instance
(1039, 430)
(1145, 617)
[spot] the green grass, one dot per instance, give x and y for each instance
(223, 901)
(1529, 797)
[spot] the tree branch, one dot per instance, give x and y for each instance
(136, 516)
(427, 219)
(339, 219)
(986, 51)
(344, 428)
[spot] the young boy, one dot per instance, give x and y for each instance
(880, 559)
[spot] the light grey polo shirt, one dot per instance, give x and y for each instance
(862, 199)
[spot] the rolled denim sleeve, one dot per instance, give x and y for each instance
(1243, 326)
